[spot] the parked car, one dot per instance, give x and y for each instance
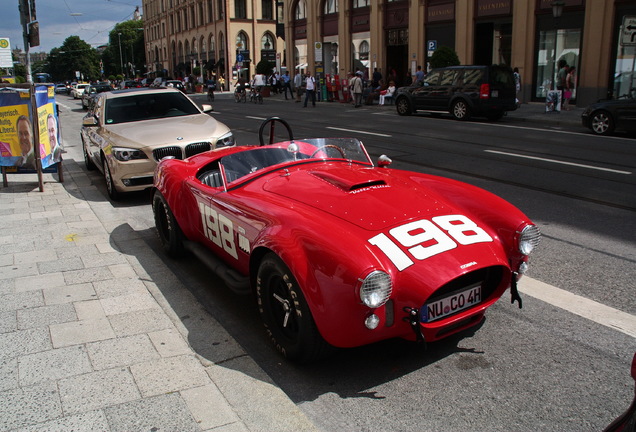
(128, 131)
(129, 84)
(340, 252)
(462, 91)
(78, 90)
(60, 88)
(89, 94)
(606, 116)
(174, 83)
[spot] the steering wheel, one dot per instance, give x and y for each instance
(272, 126)
(342, 153)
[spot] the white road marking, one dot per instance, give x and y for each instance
(559, 162)
(256, 118)
(581, 306)
(359, 131)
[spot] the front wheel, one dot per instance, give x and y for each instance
(285, 313)
(602, 123)
(90, 166)
(460, 110)
(110, 183)
(168, 229)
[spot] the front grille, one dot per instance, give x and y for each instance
(163, 152)
(178, 152)
(489, 278)
(196, 148)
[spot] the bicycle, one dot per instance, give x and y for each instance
(256, 96)
(240, 95)
(210, 93)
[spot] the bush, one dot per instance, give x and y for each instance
(264, 67)
(444, 56)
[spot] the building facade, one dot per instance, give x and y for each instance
(335, 37)
(221, 37)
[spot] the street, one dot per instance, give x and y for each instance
(549, 366)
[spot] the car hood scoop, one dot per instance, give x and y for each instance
(370, 198)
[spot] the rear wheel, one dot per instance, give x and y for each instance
(403, 106)
(285, 312)
(602, 123)
(170, 234)
(460, 110)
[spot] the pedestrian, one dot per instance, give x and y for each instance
(221, 83)
(310, 89)
(286, 84)
(298, 85)
(570, 87)
(419, 75)
(408, 79)
(517, 77)
(388, 93)
(376, 78)
(357, 88)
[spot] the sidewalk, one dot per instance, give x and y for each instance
(97, 335)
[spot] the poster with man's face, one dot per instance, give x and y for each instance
(17, 131)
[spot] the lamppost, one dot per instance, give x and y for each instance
(121, 59)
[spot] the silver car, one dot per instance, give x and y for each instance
(129, 131)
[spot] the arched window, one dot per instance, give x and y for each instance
(301, 10)
(241, 41)
(364, 50)
(267, 42)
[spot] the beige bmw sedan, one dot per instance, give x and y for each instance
(128, 131)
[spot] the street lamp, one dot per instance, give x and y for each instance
(121, 60)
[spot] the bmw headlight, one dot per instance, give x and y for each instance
(376, 289)
(528, 239)
(226, 140)
(126, 154)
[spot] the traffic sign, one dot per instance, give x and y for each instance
(628, 33)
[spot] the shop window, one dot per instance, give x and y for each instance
(625, 67)
(555, 45)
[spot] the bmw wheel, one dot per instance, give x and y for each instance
(285, 312)
(602, 123)
(90, 166)
(403, 106)
(110, 183)
(168, 229)
(460, 110)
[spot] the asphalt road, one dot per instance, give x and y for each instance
(537, 368)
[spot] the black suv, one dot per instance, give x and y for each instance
(463, 91)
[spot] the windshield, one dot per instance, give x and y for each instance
(241, 164)
(148, 106)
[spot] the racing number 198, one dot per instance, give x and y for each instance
(218, 228)
(423, 238)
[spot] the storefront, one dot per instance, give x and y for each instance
(623, 61)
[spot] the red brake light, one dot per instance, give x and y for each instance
(484, 91)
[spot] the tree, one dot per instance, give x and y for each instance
(444, 56)
(129, 36)
(73, 56)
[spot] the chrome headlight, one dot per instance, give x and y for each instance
(529, 239)
(125, 154)
(376, 289)
(226, 140)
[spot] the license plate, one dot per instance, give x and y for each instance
(494, 93)
(451, 304)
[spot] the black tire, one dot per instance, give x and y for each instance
(403, 106)
(602, 123)
(168, 229)
(495, 115)
(285, 313)
(110, 184)
(90, 166)
(460, 110)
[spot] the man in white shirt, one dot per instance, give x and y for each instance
(310, 89)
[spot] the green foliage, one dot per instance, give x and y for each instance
(264, 67)
(444, 56)
(74, 55)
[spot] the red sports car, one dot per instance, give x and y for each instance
(340, 252)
